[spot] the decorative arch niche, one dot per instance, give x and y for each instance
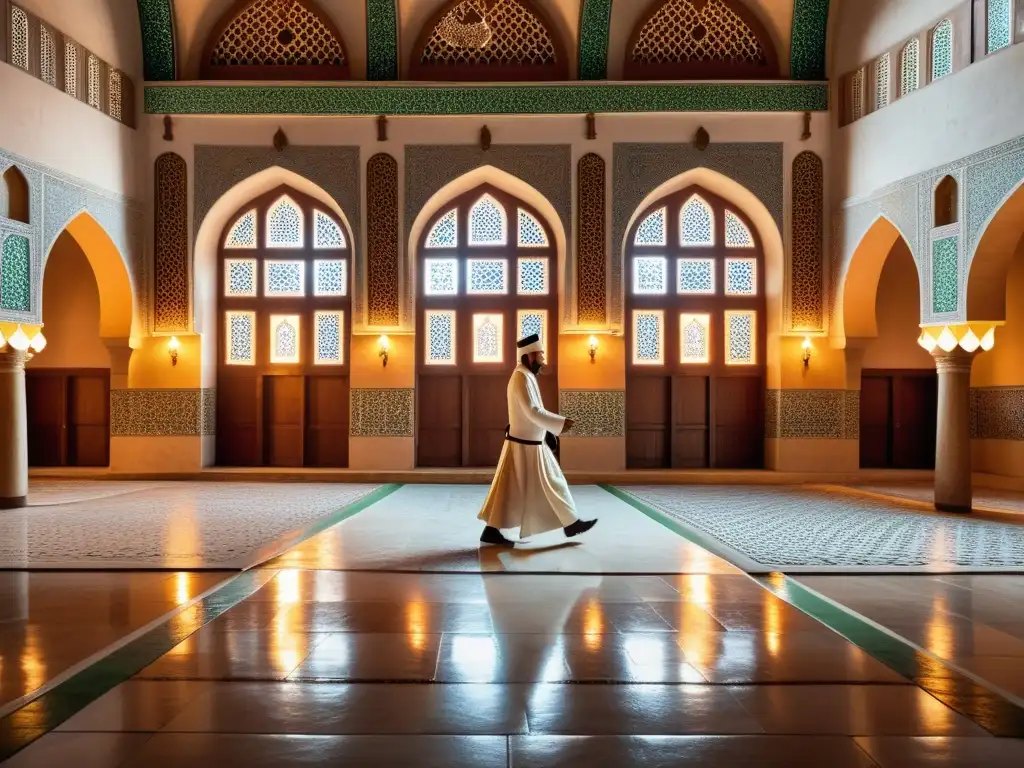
(14, 196)
(946, 205)
(495, 40)
(275, 40)
(700, 39)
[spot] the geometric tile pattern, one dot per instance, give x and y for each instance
(945, 275)
(597, 413)
(381, 40)
(157, 22)
(998, 413)
(15, 274)
(807, 46)
(171, 300)
(807, 250)
(595, 26)
(162, 412)
(832, 414)
(590, 249)
(382, 240)
(781, 527)
(383, 412)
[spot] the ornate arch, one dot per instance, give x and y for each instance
(700, 39)
(498, 40)
(275, 40)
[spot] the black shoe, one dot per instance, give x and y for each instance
(580, 526)
(492, 535)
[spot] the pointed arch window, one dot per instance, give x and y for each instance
(531, 234)
(942, 49)
(93, 93)
(275, 40)
(999, 24)
(737, 234)
(910, 71)
(284, 224)
(488, 223)
(497, 40)
(857, 97)
(19, 38)
(70, 69)
(882, 82)
(445, 232)
(47, 55)
(651, 230)
(700, 39)
(696, 223)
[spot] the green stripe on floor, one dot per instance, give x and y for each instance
(41, 715)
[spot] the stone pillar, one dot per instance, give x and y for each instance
(953, 433)
(13, 430)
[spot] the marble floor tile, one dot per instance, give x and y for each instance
(371, 657)
(943, 752)
(517, 658)
(136, 705)
(387, 617)
(81, 750)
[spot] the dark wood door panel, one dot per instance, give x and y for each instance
(89, 420)
(327, 421)
(915, 400)
(739, 422)
(648, 411)
(47, 411)
(283, 404)
(238, 436)
(690, 422)
(875, 422)
(487, 417)
(439, 415)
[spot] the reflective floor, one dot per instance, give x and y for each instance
(426, 653)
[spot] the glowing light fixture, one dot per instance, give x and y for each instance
(172, 349)
(970, 337)
(3, 340)
(38, 343)
(808, 348)
(19, 340)
(383, 347)
(592, 348)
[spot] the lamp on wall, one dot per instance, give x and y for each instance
(592, 345)
(383, 345)
(807, 348)
(172, 349)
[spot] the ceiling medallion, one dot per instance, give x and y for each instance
(472, 30)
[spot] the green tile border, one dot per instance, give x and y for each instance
(534, 99)
(47, 711)
(381, 40)
(808, 40)
(156, 21)
(595, 27)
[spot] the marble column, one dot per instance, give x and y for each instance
(953, 433)
(13, 430)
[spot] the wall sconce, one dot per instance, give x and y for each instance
(592, 343)
(807, 351)
(172, 349)
(383, 345)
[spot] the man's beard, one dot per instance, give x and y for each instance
(535, 367)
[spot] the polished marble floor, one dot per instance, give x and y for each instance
(985, 499)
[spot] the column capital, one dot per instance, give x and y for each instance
(13, 360)
(957, 360)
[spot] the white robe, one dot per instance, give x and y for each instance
(529, 491)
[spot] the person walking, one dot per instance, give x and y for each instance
(529, 491)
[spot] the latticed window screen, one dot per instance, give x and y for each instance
(740, 337)
(440, 337)
(531, 233)
(882, 82)
(47, 56)
(445, 232)
(243, 233)
(283, 278)
(488, 223)
(694, 338)
(94, 82)
(857, 97)
(942, 49)
(70, 69)
(284, 339)
(532, 321)
(326, 232)
(652, 229)
(695, 276)
(648, 337)
(329, 330)
(696, 223)
(533, 277)
(1000, 24)
(683, 31)
(487, 338)
(284, 224)
(115, 94)
(442, 277)
(330, 277)
(241, 338)
(495, 32)
(19, 37)
(737, 235)
(487, 276)
(240, 277)
(910, 71)
(650, 274)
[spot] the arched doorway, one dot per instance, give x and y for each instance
(486, 265)
(695, 334)
(283, 305)
(881, 314)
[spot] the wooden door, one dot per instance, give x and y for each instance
(915, 404)
(648, 411)
(487, 416)
(47, 416)
(690, 427)
(283, 411)
(738, 435)
(327, 419)
(238, 421)
(875, 422)
(88, 429)
(439, 413)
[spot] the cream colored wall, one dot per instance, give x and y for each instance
(1004, 365)
(898, 315)
(71, 311)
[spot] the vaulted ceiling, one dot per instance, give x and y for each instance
(380, 35)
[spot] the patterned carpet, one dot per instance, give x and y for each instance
(798, 531)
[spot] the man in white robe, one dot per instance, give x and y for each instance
(529, 491)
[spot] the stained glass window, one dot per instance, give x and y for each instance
(909, 67)
(326, 232)
(329, 327)
(488, 276)
(857, 97)
(695, 276)
(445, 232)
(283, 278)
(243, 233)
(650, 274)
(70, 69)
(533, 277)
(284, 339)
(93, 94)
(1000, 24)
(648, 337)
(442, 277)
(47, 56)
(239, 277)
(532, 321)
(696, 223)
(284, 224)
(241, 338)
(737, 235)
(882, 82)
(531, 233)
(652, 230)
(942, 49)
(740, 337)
(487, 338)
(19, 38)
(487, 224)
(741, 277)
(694, 338)
(440, 337)
(330, 277)
(115, 94)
